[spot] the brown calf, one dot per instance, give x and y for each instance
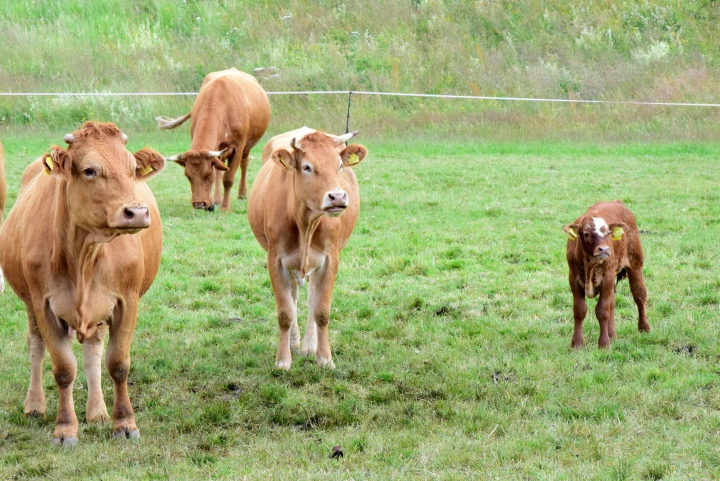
(603, 247)
(80, 247)
(229, 116)
(302, 209)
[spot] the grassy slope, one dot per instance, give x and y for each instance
(451, 327)
(663, 50)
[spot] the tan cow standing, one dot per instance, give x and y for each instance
(64, 254)
(3, 196)
(229, 117)
(603, 247)
(302, 209)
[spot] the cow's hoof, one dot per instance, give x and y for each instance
(98, 417)
(35, 413)
(284, 365)
(63, 441)
(308, 350)
(127, 434)
(326, 363)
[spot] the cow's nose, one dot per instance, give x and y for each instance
(136, 216)
(199, 205)
(338, 198)
(602, 250)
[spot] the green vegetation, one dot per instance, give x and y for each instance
(451, 329)
(663, 50)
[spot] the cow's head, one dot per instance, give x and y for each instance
(199, 168)
(100, 175)
(318, 161)
(595, 235)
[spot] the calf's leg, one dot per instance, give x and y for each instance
(605, 312)
(35, 399)
(639, 293)
(579, 312)
(117, 361)
(92, 350)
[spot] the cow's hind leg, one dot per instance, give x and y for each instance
(229, 177)
(35, 399)
(309, 345)
(117, 361)
(579, 312)
(294, 329)
(639, 293)
(92, 350)
(244, 162)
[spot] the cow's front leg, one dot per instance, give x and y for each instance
(244, 162)
(605, 312)
(217, 178)
(92, 350)
(229, 179)
(286, 309)
(294, 329)
(579, 311)
(309, 344)
(324, 280)
(117, 361)
(639, 293)
(35, 399)
(64, 370)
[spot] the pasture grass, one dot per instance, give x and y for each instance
(450, 330)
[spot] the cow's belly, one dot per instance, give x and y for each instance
(292, 264)
(97, 307)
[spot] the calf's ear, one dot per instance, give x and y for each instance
(617, 229)
(571, 230)
(149, 164)
(57, 162)
(284, 159)
(353, 154)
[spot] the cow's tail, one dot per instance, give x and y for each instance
(3, 195)
(166, 123)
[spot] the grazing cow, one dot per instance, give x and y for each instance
(302, 209)
(229, 117)
(603, 247)
(3, 195)
(64, 254)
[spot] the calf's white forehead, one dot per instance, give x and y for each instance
(600, 226)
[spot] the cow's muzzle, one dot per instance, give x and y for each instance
(131, 217)
(602, 252)
(204, 205)
(335, 202)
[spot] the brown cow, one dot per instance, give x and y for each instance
(302, 209)
(229, 117)
(64, 255)
(3, 195)
(603, 247)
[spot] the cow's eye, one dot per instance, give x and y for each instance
(307, 168)
(90, 173)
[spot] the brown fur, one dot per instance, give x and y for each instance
(590, 274)
(287, 216)
(80, 247)
(3, 188)
(230, 112)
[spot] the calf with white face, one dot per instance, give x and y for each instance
(603, 247)
(302, 209)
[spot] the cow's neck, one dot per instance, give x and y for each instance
(76, 250)
(206, 138)
(307, 222)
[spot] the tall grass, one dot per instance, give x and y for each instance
(642, 50)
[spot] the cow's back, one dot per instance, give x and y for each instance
(235, 100)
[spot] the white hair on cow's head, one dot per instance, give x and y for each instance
(600, 226)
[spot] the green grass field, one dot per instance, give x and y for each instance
(450, 330)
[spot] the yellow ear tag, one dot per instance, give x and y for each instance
(49, 163)
(572, 234)
(146, 170)
(354, 159)
(617, 233)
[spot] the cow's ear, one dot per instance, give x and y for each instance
(571, 230)
(284, 159)
(219, 164)
(353, 154)
(617, 229)
(149, 164)
(57, 162)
